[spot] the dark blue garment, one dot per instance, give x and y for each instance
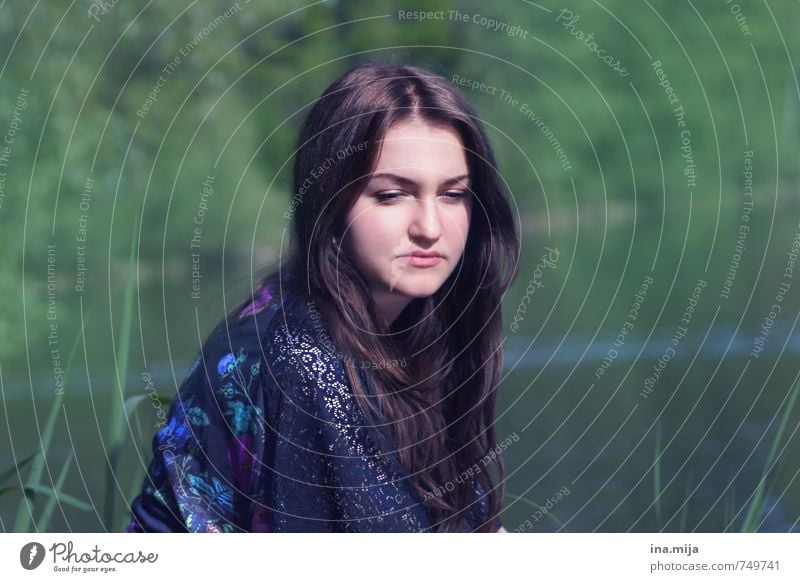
(265, 434)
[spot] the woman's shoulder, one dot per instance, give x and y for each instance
(235, 348)
(281, 357)
(277, 321)
(301, 360)
(296, 330)
(287, 339)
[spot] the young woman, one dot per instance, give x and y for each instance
(355, 391)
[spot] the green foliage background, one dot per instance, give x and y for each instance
(232, 109)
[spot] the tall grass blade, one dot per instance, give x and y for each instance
(22, 522)
(117, 414)
(657, 478)
(8, 473)
(62, 497)
(49, 508)
(757, 504)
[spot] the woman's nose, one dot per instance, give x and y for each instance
(426, 222)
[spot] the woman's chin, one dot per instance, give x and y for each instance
(419, 288)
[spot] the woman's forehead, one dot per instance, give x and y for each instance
(415, 148)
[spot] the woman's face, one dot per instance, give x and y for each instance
(417, 201)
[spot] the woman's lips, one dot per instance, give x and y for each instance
(423, 261)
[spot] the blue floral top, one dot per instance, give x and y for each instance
(265, 435)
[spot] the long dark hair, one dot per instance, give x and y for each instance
(439, 408)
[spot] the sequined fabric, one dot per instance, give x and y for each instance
(265, 435)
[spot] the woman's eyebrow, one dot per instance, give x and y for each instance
(408, 182)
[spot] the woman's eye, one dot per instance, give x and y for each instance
(390, 195)
(387, 196)
(455, 194)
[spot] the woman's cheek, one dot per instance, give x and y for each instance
(456, 236)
